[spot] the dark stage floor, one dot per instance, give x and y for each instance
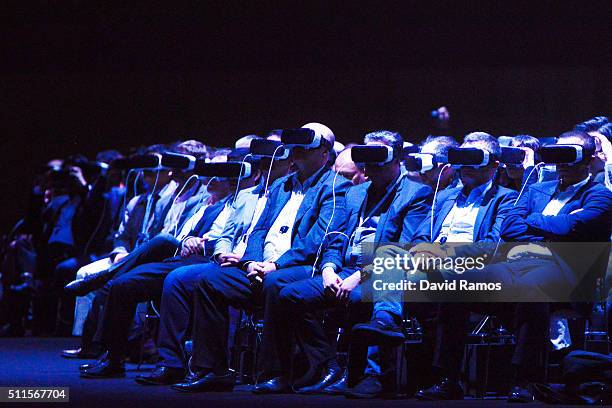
(36, 362)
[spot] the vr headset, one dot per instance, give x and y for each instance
(420, 162)
(266, 148)
(156, 161)
(374, 154)
(512, 156)
(303, 137)
(469, 156)
(563, 154)
(230, 169)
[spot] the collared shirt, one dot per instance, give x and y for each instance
(458, 226)
(279, 237)
(190, 224)
(561, 198)
(158, 201)
(219, 223)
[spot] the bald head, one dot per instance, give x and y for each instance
(322, 130)
(347, 167)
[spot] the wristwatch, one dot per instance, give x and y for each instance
(364, 275)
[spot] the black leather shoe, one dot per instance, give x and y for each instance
(368, 387)
(277, 385)
(381, 329)
(81, 287)
(80, 353)
(202, 382)
(340, 387)
(105, 369)
(520, 394)
(329, 377)
(162, 376)
(445, 390)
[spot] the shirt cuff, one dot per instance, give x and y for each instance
(329, 265)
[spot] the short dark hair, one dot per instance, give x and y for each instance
(592, 125)
(441, 146)
(393, 139)
(156, 148)
(107, 156)
(526, 141)
(587, 141)
(606, 130)
(491, 143)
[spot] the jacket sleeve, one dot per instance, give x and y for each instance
(489, 243)
(418, 209)
(594, 213)
(304, 249)
(224, 242)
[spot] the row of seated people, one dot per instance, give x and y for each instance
(292, 239)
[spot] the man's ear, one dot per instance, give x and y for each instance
(257, 176)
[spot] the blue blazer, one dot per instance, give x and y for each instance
(587, 217)
(495, 206)
(312, 218)
(591, 224)
(409, 204)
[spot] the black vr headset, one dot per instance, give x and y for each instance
(563, 154)
(420, 162)
(155, 161)
(374, 154)
(469, 156)
(512, 156)
(266, 148)
(303, 137)
(230, 169)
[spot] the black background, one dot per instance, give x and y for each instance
(81, 78)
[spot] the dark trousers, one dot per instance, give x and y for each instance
(176, 313)
(531, 325)
(19, 257)
(157, 249)
(220, 288)
(145, 282)
(46, 294)
(305, 301)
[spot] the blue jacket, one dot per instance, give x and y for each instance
(587, 217)
(311, 222)
(410, 202)
(495, 206)
(591, 224)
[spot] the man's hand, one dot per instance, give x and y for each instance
(228, 259)
(192, 245)
(119, 257)
(260, 269)
(529, 160)
(331, 280)
(428, 250)
(347, 286)
(77, 173)
(606, 147)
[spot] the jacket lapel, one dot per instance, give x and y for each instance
(445, 208)
(483, 210)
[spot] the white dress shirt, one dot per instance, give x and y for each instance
(458, 226)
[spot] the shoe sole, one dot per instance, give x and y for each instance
(361, 396)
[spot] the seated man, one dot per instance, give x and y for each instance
(438, 147)
(472, 212)
(145, 280)
(387, 208)
(177, 297)
(281, 250)
(145, 215)
(574, 209)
